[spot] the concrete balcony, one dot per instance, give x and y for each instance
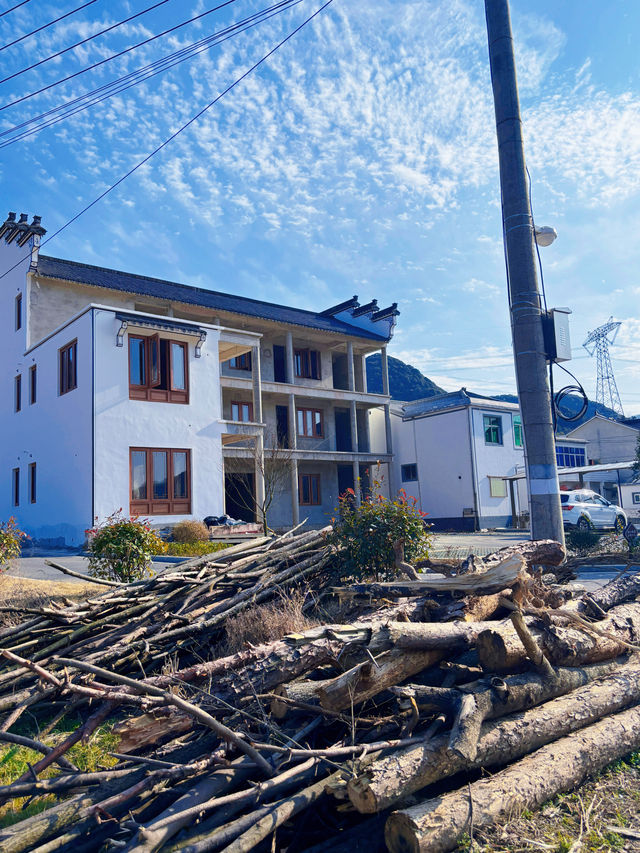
(284, 389)
(337, 456)
(237, 431)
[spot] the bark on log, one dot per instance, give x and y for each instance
(615, 592)
(436, 825)
(397, 776)
(541, 552)
(500, 649)
(449, 636)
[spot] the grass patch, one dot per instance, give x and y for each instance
(194, 549)
(266, 622)
(15, 760)
(25, 592)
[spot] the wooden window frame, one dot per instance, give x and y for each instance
(303, 412)
(241, 403)
(302, 363)
(18, 312)
(15, 487)
(240, 362)
(33, 483)
(33, 384)
(160, 506)
(311, 478)
(17, 393)
(150, 390)
(67, 383)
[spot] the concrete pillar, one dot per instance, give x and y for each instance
(293, 426)
(351, 382)
(387, 428)
(385, 371)
(295, 507)
(259, 477)
(363, 368)
(257, 384)
(354, 426)
(367, 433)
(291, 371)
(356, 483)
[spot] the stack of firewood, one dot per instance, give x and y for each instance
(370, 731)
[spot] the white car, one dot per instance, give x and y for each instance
(588, 510)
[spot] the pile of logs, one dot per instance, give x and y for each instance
(368, 732)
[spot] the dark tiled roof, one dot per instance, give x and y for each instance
(451, 400)
(214, 299)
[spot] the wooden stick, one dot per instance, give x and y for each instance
(87, 578)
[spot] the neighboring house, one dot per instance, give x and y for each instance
(461, 455)
(134, 393)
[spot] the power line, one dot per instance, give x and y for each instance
(45, 26)
(116, 55)
(122, 84)
(84, 41)
(175, 134)
(13, 8)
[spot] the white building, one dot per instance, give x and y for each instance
(130, 392)
(462, 457)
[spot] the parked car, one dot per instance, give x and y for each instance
(588, 510)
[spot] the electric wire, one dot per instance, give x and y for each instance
(116, 55)
(84, 41)
(46, 26)
(13, 8)
(128, 81)
(565, 393)
(175, 134)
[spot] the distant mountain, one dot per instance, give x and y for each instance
(570, 405)
(405, 382)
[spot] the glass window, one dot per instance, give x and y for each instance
(309, 489)
(33, 384)
(310, 423)
(160, 475)
(241, 362)
(492, 429)
(138, 475)
(154, 361)
(242, 412)
(68, 367)
(570, 457)
(32, 482)
(18, 311)
(137, 362)
(17, 393)
(180, 474)
(517, 430)
(15, 486)
(307, 364)
(178, 367)
(409, 472)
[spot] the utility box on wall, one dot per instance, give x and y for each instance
(556, 334)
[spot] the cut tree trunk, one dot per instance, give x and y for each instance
(435, 826)
(615, 592)
(500, 649)
(402, 773)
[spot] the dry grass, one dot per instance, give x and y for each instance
(190, 531)
(25, 593)
(266, 622)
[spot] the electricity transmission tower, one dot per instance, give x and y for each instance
(598, 342)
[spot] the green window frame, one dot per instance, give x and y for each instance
(492, 425)
(517, 431)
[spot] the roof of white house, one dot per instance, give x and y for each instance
(627, 423)
(440, 403)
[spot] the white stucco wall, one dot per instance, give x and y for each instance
(121, 423)
(609, 441)
(494, 460)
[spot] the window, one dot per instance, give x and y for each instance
(158, 369)
(18, 311)
(160, 481)
(32, 482)
(68, 367)
(492, 429)
(570, 457)
(635, 497)
(242, 412)
(33, 384)
(241, 362)
(517, 430)
(307, 363)
(497, 487)
(310, 423)
(17, 392)
(309, 489)
(409, 472)
(15, 486)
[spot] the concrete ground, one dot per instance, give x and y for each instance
(460, 545)
(35, 568)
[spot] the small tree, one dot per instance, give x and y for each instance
(272, 464)
(121, 548)
(10, 542)
(365, 535)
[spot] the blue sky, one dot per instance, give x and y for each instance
(360, 159)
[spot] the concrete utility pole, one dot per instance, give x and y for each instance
(524, 295)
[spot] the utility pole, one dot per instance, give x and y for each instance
(524, 294)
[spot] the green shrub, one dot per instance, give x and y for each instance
(193, 549)
(10, 541)
(581, 540)
(120, 549)
(190, 531)
(365, 535)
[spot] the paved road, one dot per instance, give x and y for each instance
(460, 545)
(35, 568)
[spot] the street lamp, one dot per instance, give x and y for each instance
(545, 235)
